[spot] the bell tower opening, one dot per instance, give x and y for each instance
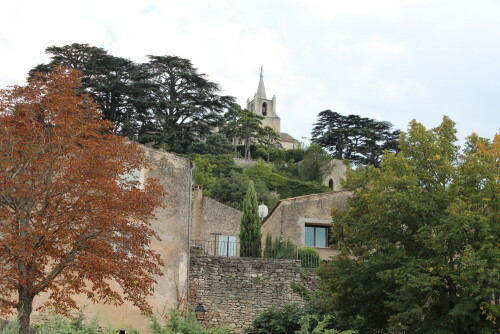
(264, 109)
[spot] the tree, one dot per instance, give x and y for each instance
(182, 104)
(70, 218)
(250, 234)
(242, 126)
(420, 240)
(231, 191)
(316, 164)
(203, 174)
(115, 83)
(215, 143)
(269, 140)
(358, 139)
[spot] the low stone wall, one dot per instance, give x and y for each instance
(235, 290)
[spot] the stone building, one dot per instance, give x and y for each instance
(306, 220)
(265, 107)
(337, 172)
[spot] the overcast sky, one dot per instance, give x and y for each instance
(388, 60)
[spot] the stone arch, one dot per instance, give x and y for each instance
(264, 109)
(330, 184)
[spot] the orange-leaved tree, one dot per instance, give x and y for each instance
(71, 221)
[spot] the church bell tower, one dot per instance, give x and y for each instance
(265, 107)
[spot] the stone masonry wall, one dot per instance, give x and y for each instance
(235, 290)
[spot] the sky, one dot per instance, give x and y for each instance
(388, 60)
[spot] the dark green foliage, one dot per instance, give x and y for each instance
(294, 155)
(182, 104)
(279, 248)
(268, 248)
(250, 234)
(309, 257)
(420, 240)
(358, 139)
(165, 101)
(242, 126)
(231, 191)
(215, 144)
(113, 82)
(283, 320)
(286, 187)
(291, 318)
(315, 165)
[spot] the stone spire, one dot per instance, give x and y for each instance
(261, 91)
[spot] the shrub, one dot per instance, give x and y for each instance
(309, 257)
(282, 320)
(279, 249)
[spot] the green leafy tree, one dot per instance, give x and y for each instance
(268, 140)
(113, 82)
(250, 234)
(420, 240)
(231, 191)
(182, 103)
(215, 144)
(358, 139)
(242, 126)
(316, 164)
(203, 174)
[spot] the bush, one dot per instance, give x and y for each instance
(282, 320)
(309, 257)
(279, 249)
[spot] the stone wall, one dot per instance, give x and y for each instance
(235, 290)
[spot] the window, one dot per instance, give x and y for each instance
(135, 175)
(330, 184)
(264, 109)
(317, 236)
(227, 245)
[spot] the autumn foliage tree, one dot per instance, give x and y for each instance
(71, 221)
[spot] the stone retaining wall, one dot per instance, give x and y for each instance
(235, 290)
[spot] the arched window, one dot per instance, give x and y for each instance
(330, 184)
(264, 109)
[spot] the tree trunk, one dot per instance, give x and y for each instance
(24, 313)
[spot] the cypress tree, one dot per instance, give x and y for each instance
(250, 234)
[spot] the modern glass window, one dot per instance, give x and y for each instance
(317, 236)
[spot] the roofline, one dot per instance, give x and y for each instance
(298, 197)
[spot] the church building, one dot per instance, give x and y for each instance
(265, 107)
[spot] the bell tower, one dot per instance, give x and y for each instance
(265, 107)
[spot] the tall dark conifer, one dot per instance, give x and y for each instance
(250, 233)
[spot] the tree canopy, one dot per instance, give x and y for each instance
(71, 220)
(182, 104)
(420, 240)
(359, 139)
(114, 83)
(164, 101)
